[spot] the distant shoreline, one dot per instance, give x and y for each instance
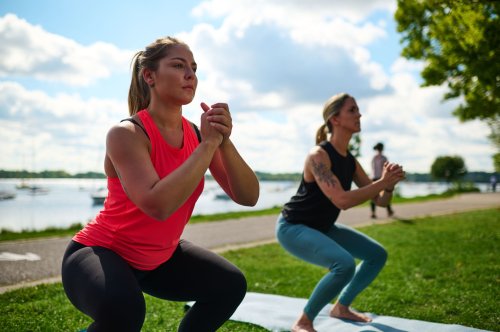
(8, 235)
(476, 177)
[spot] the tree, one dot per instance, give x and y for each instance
(449, 168)
(496, 162)
(495, 139)
(459, 40)
(355, 145)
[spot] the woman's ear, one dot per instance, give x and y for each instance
(334, 120)
(148, 77)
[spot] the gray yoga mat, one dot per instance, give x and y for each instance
(277, 313)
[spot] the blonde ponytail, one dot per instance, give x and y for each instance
(321, 134)
(332, 108)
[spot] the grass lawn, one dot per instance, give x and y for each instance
(443, 269)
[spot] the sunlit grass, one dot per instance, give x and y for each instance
(443, 269)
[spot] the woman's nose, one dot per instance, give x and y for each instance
(190, 73)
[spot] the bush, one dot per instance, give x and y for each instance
(462, 187)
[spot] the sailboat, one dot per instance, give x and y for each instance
(23, 185)
(4, 195)
(31, 188)
(99, 196)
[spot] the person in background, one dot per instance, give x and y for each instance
(155, 165)
(307, 226)
(493, 182)
(378, 162)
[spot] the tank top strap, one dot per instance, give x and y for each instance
(327, 146)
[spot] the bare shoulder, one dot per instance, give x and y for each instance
(125, 130)
(317, 162)
(318, 155)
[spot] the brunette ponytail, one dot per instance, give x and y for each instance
(139, 94)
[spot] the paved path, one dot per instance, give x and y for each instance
(44, 265)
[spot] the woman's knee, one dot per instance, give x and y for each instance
(344, 267)
(379, 255)
(124, 312)
(236, 284)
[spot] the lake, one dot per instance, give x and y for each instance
(68, 201)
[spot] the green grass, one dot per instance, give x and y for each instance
(8, 235)
(443, 269)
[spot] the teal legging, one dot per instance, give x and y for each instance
(335, 250)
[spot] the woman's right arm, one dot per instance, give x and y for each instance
(319, 166)
(128, 150)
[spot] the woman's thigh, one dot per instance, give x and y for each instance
(193, 273)
(99, 283)
(359, 245)
(312, 245)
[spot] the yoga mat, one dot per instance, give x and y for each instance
(277, 313)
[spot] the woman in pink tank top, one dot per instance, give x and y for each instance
(155, 164)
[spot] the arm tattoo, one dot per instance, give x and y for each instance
(323, 174)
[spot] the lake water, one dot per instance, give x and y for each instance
(68, 201)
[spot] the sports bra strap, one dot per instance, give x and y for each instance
(198, 134)
(137, 124)
(195, 127)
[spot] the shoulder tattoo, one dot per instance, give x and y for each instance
(323, 174)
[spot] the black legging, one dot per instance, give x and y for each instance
(103, 286)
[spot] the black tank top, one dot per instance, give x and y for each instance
(309, 206)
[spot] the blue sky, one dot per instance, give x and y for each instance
(64, 77)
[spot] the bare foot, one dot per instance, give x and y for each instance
(344, 312)
(303, 324)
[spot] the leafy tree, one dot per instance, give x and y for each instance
(496, 162)
(355, 145)
(449, 168)
(495, 138)
(459, 40)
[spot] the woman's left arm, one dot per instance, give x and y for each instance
(361, 179)
(228, 168)
(234, 175)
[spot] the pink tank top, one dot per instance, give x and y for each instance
(121, 226)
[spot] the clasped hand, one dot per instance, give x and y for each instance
(392, 174)
(216, 122)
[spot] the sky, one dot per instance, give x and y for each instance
(65, 74)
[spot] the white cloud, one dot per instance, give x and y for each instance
(30, 51)
(416, 127)
(272, 65)
(255, 10)
(318, 23)
(291, 51)
(276, 141)
(54, 132)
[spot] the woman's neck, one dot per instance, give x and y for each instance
(166, 116)
(340, 143)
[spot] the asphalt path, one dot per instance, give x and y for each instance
(30, 262)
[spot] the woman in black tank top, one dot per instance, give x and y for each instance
(307, 227)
